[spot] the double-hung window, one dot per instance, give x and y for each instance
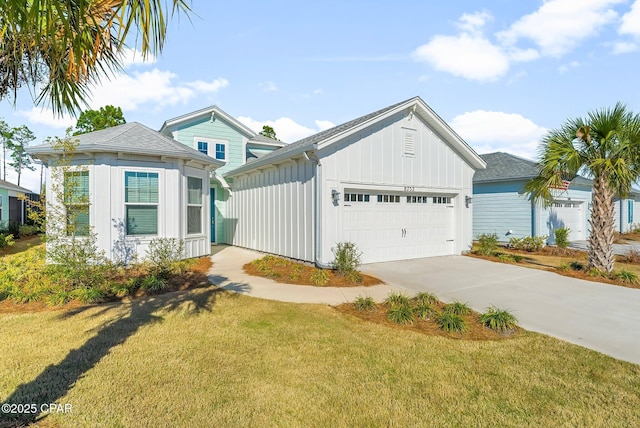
(203, 147)
(76, 202)
(221, 151)
(194, 205)
(141, 202)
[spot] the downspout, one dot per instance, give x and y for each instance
(317, 214)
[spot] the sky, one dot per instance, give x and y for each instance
(501, 73)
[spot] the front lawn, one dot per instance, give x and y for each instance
(210, 358)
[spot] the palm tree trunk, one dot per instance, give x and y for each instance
(602, 225)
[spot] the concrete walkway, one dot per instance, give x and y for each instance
(619, 249)
(227, 273)
(598, 316)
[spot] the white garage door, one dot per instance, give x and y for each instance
(568, 214)
(397, 226)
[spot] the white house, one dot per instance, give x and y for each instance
(397, 182)
(139, 185)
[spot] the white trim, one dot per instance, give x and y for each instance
(207, 113)
(211, 146)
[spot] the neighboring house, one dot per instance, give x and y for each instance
(396, 182)
(500, 205)
(218, 135)
(139, 185)
(12, 209)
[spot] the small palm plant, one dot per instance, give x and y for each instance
(499, 320)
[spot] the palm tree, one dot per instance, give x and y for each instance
(604, 146)
(60, 48)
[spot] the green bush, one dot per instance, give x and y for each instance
(364, 303)
(576, 265)
(595, 272)
(320, 277)
(626, 276)
(425, 311)
(528, 243)
(564, 267)
(425, 298)
(487, 243)
(457, 308)
(498, 320)
(162, 253)
(154, 282)
(28, 230)
(354, 277)
(561, 236)
(401, 314)
(509, 258)
(87, 294)
(347, 258)
(397, 299)
(6, 240)
(452, 322)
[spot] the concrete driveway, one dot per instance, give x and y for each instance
(598, 316)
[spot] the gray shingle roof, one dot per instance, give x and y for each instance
(308, 142)
(504, 166)
(130, 138)
(14, 187)
(258, 138)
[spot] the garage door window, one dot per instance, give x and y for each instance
(417, 199)
(356, 197)
(441, 199)
(389, 198)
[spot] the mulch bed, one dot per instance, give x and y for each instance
(476, 331)
(295, 273)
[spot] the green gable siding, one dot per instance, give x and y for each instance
(218, 129)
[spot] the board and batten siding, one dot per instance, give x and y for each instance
(107, 202)
(375, 159)
(502, 207)
(272, 210)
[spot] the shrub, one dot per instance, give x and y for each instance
(162, 253)
(364, 303)
(487, 243)
(451, 322)
(457, 308)
(122, 289)
(626, 276)
(576, 265)
(425, 311)
(630, 256)
(87, 294)
(528, 243)
(28, 230)
(354, 277)
(561, 236)
(154, 282)
(596, 272)
(564, 267)
(401, 314)
(397, 299)
(498, 320)
(320, 277)
(508, 258)
(6, 240)
(424, 298)
(347, 258)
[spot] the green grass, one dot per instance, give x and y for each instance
(198, 358)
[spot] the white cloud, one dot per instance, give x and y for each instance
(213, 86)
(286, 128)
(558, 26)
(324, 124)
(268, 86)
(566, 67)
(631, 21)
(317, 91)
(46, 117)
(624, 47)
(133, 57)
(472, 23)
(468, 56)
(491, 131)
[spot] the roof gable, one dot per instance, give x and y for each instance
(413, 105)
(130, 138)
(212, 112)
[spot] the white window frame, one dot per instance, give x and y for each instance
(193, 205)
(126, 204)
(211, 142)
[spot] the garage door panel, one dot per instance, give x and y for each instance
(399, 230)
(568, 214)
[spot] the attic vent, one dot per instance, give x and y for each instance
(409, 144)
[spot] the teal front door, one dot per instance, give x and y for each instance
(213, 215)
